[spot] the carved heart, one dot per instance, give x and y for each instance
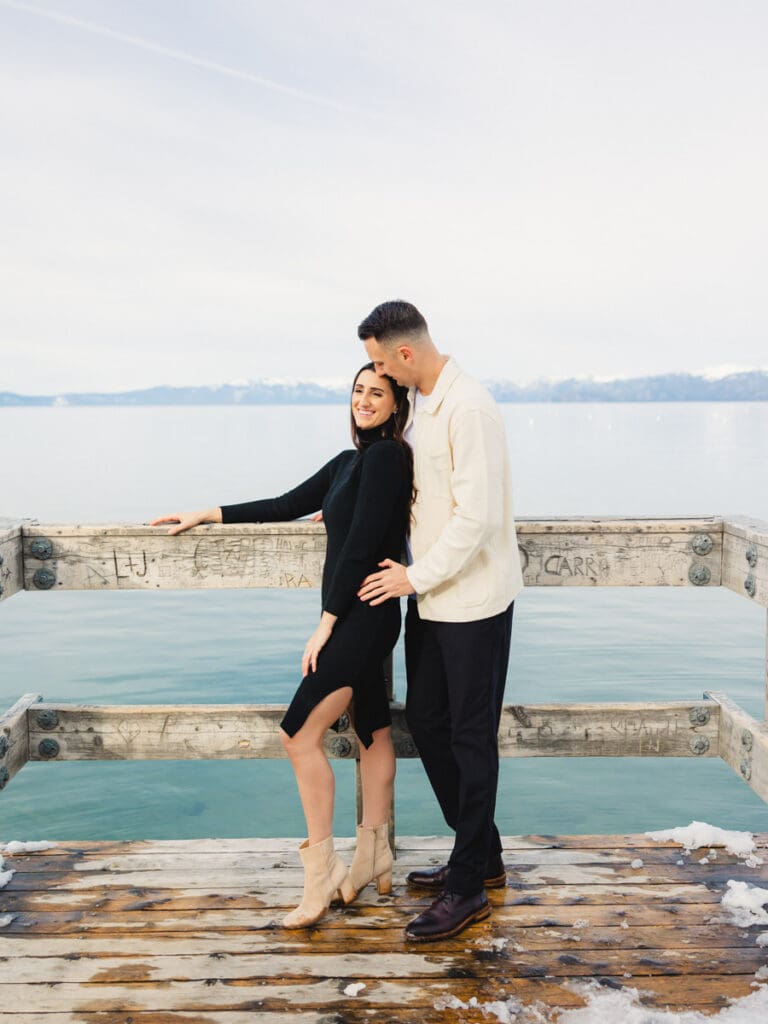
(129, 730)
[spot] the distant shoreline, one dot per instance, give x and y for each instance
(748, 386)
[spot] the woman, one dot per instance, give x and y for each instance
(365, 496)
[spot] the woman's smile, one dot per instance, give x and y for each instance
(372, 400)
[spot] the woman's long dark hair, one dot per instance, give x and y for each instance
(394, 426)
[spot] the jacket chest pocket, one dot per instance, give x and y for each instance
(436, 467)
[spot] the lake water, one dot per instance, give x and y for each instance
(124, 464)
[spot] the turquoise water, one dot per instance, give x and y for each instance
(233, 646)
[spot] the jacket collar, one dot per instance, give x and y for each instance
(432, 402)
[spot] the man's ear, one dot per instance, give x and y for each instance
(405, 353)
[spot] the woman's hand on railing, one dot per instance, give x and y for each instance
(186, 520)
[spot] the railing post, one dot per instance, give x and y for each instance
(765, 712)
(11, 564)
(14, 737)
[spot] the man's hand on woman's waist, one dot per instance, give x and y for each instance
(392, 581)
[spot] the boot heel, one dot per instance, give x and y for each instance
(347, 891)
(384, 884)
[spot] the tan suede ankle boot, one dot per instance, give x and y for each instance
(324, 872)
(372, 861)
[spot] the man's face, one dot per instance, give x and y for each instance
(394, 360)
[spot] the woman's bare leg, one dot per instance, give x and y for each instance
(314, 775)
(377, 776)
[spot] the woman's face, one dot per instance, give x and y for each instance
(372, 400)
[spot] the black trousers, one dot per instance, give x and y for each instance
(456, 673)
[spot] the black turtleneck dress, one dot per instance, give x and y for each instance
(365, 498)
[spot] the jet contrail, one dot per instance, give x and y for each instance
(180, 55)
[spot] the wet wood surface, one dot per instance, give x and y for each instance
(189, 931)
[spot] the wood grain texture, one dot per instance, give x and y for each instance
(14, 737)
(743, 743)
(11, 561)
(745, 559)
(174, 949)
(555, 552)
(228, 731)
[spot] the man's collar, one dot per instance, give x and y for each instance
(431, 403)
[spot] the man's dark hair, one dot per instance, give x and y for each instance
(390, 320)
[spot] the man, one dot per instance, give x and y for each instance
(464, 570)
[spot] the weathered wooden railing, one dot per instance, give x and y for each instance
(694, 552)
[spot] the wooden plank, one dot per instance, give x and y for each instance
(146, 558)
(55, 897)
(168, 731)
(743, 743)
(706, 995)
(560, 959)
(57, 907)
(14, 738)
(419, 845)
(618, 524)
(558, 874)
(602, 551)
(516, 861)
(260, 995)
(230, 731)
(157, 858)
(387, 939)
(11, 561)
(651, 729)
(745, 558)
(200, 996)
(211, 1017)
(623, 553)
(375, 929)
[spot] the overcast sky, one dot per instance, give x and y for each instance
(197, 191)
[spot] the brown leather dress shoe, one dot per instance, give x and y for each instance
(436, 878)
(450, 914)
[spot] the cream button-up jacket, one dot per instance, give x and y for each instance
(466, 563)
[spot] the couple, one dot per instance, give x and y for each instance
(430, 470)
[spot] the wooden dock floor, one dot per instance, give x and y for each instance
(188, 931)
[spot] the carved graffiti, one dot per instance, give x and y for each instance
(573, 565)
(130, 565)
(620, 735)
(277, 561)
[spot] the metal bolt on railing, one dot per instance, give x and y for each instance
(699, 575)
(48, 748)
(41, 548)
(698, 716)
(47, 718)
(702, 544)
(44, 579)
